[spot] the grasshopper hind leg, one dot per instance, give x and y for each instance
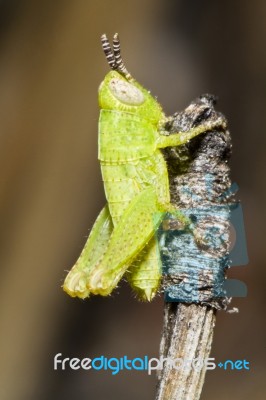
(134, 230)
(76, 281)
(144, 275)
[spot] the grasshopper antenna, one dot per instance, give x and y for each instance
(113, 56)
(119, 61)
(108, 52)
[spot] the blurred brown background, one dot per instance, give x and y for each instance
(51, 64)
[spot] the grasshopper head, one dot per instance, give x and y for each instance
(120, 92)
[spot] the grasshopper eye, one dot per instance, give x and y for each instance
(126, 92)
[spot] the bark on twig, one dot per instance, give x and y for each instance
(188, 333)
(200, 182)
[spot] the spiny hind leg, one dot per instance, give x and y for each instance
(144, 275)
(135, 228)
(76, 281)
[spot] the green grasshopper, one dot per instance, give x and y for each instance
(131, 135)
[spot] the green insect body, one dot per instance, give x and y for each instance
(122, 240)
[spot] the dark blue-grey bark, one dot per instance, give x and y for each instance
(194, 260)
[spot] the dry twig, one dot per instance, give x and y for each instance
(199, 184)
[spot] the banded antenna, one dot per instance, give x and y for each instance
(113, 56)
